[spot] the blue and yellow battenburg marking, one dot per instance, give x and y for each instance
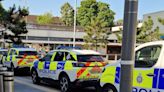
(50, 65)
(156, 82)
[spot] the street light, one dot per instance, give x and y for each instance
(74, 34)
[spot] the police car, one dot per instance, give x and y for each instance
(3, 54)
(148, 74)
(68, 67)
(20, 58)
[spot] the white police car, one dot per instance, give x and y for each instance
(69, 67)
(148, 74)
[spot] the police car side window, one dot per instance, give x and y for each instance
(69, 56)
(148, 56)
(59, 56)
(47, 57)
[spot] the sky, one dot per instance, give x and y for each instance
(37, 7)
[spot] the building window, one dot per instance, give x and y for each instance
(38, 38)
(59, 39)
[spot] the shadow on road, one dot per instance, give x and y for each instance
(54, 86)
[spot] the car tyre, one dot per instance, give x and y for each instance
(109, 88)
(64, 83)
(35, 77)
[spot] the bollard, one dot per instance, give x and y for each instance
(1, 65)
(2, 69)
(8, 80)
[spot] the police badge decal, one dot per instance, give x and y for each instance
(139, 78)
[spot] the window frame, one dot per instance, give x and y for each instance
(68, 53)
(152, 61)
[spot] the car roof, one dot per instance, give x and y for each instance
(150, 44)
(85, 52)
(24, 49)
(3, 49)
(79, 52)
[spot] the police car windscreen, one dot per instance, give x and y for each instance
(27, 53)
(89, 58)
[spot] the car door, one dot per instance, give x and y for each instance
(46, 64)
(145, 75)
(57, 64)
(53, 66)
(9, 58)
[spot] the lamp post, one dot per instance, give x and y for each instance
(74, 34)
(128, 45)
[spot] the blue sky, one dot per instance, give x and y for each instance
(37, 7)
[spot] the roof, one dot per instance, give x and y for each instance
(24, 49)
(157, 12)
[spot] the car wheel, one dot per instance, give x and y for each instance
(64, 83)
(35, 77)
(109, 88)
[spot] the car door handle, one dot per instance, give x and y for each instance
(151, 75)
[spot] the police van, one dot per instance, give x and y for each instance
(20, 58)
(148, 74)
(69, 67)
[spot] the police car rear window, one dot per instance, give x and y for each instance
(27, 53)
(89, 58)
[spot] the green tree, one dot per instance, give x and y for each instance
(145, 33)
(67, 14)
(95, 17)
(96, 35)
(161, 21)
(14, 20)
(119, 22)
(46, 18)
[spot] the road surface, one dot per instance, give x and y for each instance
(24, 84)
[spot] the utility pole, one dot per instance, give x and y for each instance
(74, 34)
(128, 45)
